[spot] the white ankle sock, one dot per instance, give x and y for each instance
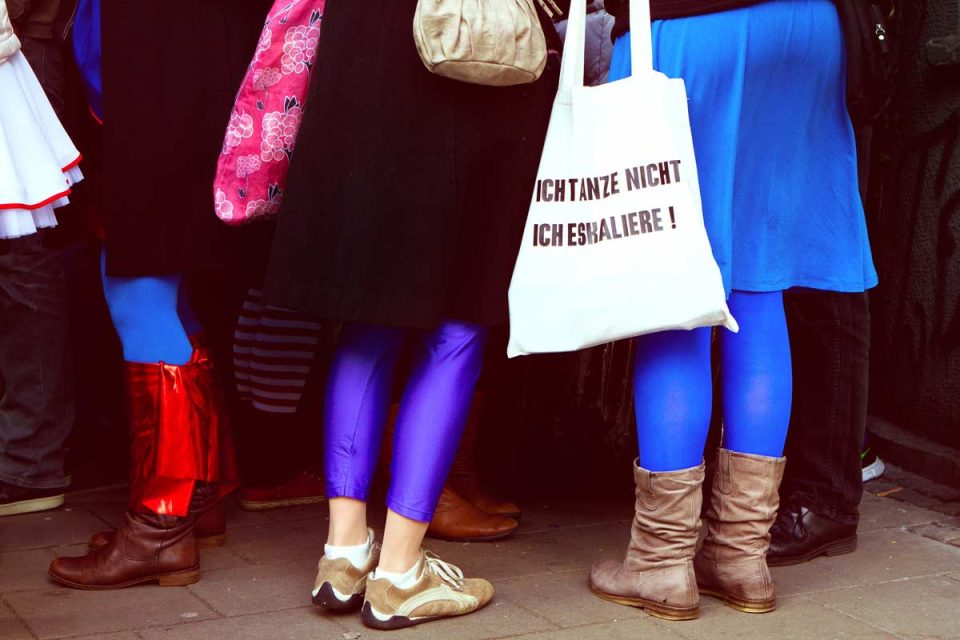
(403, 580)
(358, 555)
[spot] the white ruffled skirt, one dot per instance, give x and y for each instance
(38, 161)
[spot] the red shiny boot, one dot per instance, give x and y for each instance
(181, 454)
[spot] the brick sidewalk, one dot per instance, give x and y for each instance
(900, 583)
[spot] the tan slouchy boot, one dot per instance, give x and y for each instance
(732, 564)
(657, 574)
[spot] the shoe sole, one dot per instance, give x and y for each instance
(515, 515)
(490, 538)
(32, 506)
(657, 610)
(873, 470)
(401, 622)
(835, 548)
(741, 605)
(176, 579)
(327, 600)
(266, 505)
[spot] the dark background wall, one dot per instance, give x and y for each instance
(915, 227)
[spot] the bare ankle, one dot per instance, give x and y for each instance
(348, 523)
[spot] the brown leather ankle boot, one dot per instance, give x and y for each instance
(657, 574)
(465, 479)
(732, 563)
(147, 548)
(457, 519)
(210, 530)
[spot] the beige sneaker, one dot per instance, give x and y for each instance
(340, 585)
(441, 591)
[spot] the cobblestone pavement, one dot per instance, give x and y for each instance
(903, 582)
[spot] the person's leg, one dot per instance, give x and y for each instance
(756, 386)
(37, 405)
(181, 450)
(410, 586)
(673, 397)
(145, 315)
(47, 61)
(358, 397)
(822, 486)
(359, 385)
(756, 377)
(672, 386)
(262, 439)
(830, 334)
(273, 352)
(433, 413)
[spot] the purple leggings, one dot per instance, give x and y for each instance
(432, 415)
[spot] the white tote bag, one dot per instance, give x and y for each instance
(614, 245)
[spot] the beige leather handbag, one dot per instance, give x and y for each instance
(491, 42)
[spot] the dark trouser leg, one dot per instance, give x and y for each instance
(37, 407)
(46, 60)
(264, 443)
(274, 353)
(830, 339)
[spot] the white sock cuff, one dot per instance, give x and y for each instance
(358, 555)
(403, 580)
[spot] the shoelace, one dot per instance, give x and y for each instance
(447, 572)
(790, 522)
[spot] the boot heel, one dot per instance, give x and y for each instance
(841, 547)
(180, 579)
(209, 542)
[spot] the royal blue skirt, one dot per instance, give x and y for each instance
(774, 143)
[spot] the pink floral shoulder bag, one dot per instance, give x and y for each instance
(253, 166)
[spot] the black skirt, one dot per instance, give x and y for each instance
(171, 71)
(408, 192)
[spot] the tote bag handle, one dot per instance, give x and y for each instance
(641, 44)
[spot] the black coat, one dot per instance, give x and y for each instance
(408, 192)
(171, 71)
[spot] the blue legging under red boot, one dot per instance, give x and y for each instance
(179, 433)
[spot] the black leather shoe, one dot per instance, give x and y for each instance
(800, 535)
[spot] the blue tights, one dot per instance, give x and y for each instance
(433, 411)
(151, 316)
(673, 388)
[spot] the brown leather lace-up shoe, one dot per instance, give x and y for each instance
(441, 591)
(147, 548)
(732, 563)
(459, 520)
(657, 573)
